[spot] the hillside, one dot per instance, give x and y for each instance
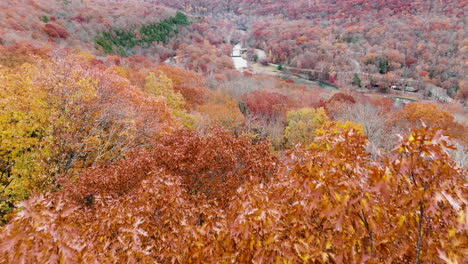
(234, 131)
(78, 21)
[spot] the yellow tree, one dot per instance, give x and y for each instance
(161, 85)
(331, 129)
(24, 119)
(61, 116)
(302, 124)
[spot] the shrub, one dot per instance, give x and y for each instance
(44, 19)
(55, 31)
(341, 97)
(265, 104)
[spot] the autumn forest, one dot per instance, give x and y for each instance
(233, 131)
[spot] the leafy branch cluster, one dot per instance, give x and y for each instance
(324, 205)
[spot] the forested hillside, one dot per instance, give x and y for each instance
(234, 131)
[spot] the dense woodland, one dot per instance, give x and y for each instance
(127, 135)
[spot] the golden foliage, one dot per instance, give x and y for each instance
(64, 115)
(302, 124)
(333, 205)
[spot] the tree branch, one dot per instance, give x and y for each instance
(420, 234)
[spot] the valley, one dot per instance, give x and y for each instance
(233, 131)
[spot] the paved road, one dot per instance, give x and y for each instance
(239, 63)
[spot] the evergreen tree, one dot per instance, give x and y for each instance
(356, 80)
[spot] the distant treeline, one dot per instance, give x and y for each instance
(120, 41)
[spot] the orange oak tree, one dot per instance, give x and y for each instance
(332, 204)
